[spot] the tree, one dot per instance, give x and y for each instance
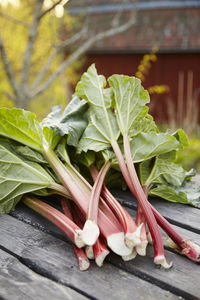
(33, 47)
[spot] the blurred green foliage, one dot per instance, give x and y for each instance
(189, 157)
(14, 28)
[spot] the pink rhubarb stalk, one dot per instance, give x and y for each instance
(90, 229)
(185, 246)
(59, 219)
(132, 232)
(140, 221)
(135, 187)
(82, 258)
(100, 251)
(159, 257)
(79, 252)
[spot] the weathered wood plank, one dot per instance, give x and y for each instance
(179, 214)
(29, 216)
(54, 259)
(184, 275)
(179, 274)
(19, 282)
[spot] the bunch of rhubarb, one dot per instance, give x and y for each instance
(104, 135)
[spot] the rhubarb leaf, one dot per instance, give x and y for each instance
(103, 128)
(61, 151)
(181, 136)
(86, 159)
(192, 191)
(147, 145)
(130, 101)
(50, 139)
(165, 172)
(72, 122)
(18, 176)
(188, 193)
(9, 205)
(92, 139)
(170, 194)
(21, 126)
(144, 170)
(30, 154)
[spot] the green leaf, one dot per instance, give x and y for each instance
(86, 159)
(44, 192)
(103, 128)
(181, 136)
(50, 139)
(147, 145)
(18, 176)
(21, 126)
(30, 154)
(169, 156)
(130, 101)
(61, 150)
(72, 122)
(144, 170)
(188, 193)
(9, 205)
(164, 171)
(170, 194)
(92, 139)
(192, 191)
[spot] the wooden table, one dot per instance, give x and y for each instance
(37, 262)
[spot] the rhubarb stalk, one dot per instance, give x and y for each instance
(90, 229)
(79, 252)
(100, 251)
(140, 221)
(59, 219)
(185, 246)
(159, 257)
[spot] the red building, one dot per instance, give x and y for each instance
(173, 26)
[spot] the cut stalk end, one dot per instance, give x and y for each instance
(141, 249)
(149, 238)
(131, 256)
(90, 233)
(187, 248)
(101, 257)
(84, 264)
(82, 258)
(78, 239)
(161, 260)
(132, 239)
(191, 250)
(89, 252)
(117, 245)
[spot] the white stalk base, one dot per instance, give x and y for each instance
(78, 239)
(84, 264)
(100, 258)
(161, 260)
(131, 256)
(89, 252)
(116, 243)
(141, 249)
(149, 238)
(133, 239)
(90, 233)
